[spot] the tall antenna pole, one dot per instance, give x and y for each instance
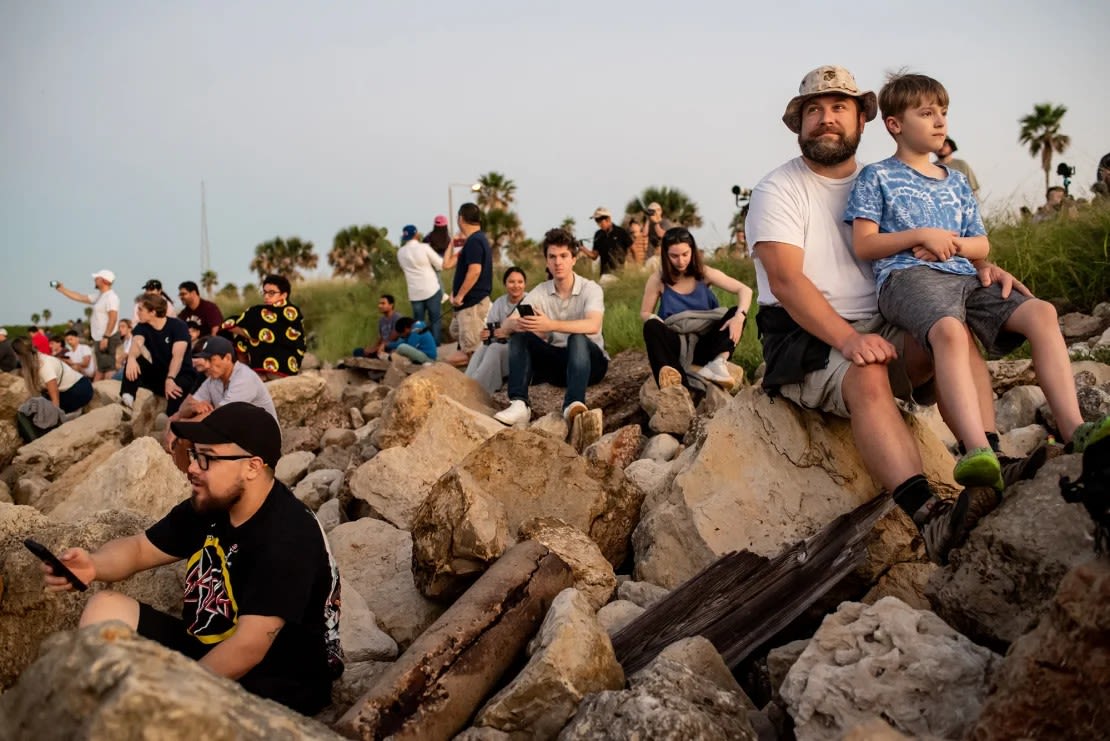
(205, 252)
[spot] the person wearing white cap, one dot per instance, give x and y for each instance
(8, 361)
(104, 323)
(610, 246)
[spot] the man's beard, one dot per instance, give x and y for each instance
(211, 504)
(827, 152)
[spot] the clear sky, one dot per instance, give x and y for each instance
(304, 118)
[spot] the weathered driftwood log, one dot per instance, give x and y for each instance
(434, 688)
(741, 600)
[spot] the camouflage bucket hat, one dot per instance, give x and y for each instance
(828, 80)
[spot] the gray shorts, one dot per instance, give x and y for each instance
(822, 389)
(106, 360)
(917, 298)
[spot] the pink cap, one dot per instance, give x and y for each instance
(440, 220)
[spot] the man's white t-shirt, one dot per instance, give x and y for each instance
(420, 263)
(796, 206)
(78, 354)
(585, 297)
(102, 304)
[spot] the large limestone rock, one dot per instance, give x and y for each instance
(292, 467)
(1005, 374)
(359, 634)
(299, 398)
(666, 701)
(319, 487)
(375, 559)
(571, 656)
(1055, 681)
(618, 448)
(593, 575)
(10, 441)
(888, 660)
(671, 408)
(408, 407)
(1018, 407)
(57, 491)
(1003, 579)
(13, 392)
(104, 683)
(766, 475)
(57, 450)
(474, 510)
(28, 613)
(1076, 326)
(395, 482)
(140, 477)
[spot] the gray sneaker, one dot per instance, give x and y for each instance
(943, 524)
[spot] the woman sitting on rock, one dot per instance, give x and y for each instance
(68, 389)
(489, 365)
(690, 328)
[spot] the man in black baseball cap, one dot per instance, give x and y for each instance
(261, 589)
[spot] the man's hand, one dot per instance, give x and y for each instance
(131, 370)
(456, 302)
(173, 391)
(537, 323)
(734, 327)
(941, 243)
(103, 344)
(990, 273)
(76, 560)
(868, 349)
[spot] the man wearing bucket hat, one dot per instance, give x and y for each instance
(104, 322)
(261, 587)
(825, 344)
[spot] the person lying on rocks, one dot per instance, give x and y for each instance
(825, 344)
(919, 223)
(489, 365)
(690, 327)
(261, 602)
(555, 335)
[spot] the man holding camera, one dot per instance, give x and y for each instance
(104, 322)
(555, 336)
(610, 245)
(656, 225)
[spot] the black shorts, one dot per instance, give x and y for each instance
(170, 632)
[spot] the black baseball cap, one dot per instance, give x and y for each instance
(212, 345)
(152, 285)
(250, 427)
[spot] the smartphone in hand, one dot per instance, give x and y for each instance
(43, 554)
(525, 310)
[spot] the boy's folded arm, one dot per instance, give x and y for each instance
(870, 244)
(974, 248)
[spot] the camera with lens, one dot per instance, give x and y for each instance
(491, 327)
(1064, 170)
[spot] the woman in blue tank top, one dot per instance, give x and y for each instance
(681, 289)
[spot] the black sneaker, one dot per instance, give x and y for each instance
(943, 524)
(1023, 469)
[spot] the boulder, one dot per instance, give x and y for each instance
(1021, 441)
(57, 491)
(552, 424)
(28, 613)
(141, 477)
(641, 592)
(395, 482)
(764, 476)
(1055, 680)
(593, 575)
(1018, 407)
(672, 409)
(891, 661)
(5, 493)
(1005, 374)
(1076, 326)
(328, 515)
(930, 416)
(145, 411)
(375, 558)
(660, 448)
(906, 581)
(570, 657)
(292, 467)
(340, 437)
(105, 682)
(13, 392)
(618, 614)
(1004, 577)
(50, 455)
(665, 701)
(105, 393)
(10, 441)
(408, 406)
(699, 656)
(299, 398)
(618, 448)
(359, 634)
(318, 487)
(298, 438)
(335, 457)
(651, 477)
(779, 661)
(473, 511)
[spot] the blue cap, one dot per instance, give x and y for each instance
(408, 232)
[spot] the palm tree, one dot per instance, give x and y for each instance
(501, 227)
(46, 314)
(35, 319)
(229, 291)
(283, 257)
(88, 312)
(495, 192)
(677, 206)
(208, 281)
(1040, 130)
(568, 225)
(363, 252)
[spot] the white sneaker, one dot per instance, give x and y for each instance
(716, 371)
(573, 410)
(127, 400)
(516, 413)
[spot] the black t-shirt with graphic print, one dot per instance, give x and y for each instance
(275, 564)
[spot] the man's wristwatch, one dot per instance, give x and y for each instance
(172, 378)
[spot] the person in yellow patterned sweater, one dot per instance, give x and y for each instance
(269, 337)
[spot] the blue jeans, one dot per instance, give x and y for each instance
(432, 307)
(532, 360)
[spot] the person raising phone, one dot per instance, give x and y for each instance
(561, 342)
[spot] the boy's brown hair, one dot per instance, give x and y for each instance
(903, 91)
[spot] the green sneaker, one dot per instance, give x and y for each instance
(979, 467)
(1089, 433)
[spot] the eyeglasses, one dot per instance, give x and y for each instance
(271, 292)
(203, 459)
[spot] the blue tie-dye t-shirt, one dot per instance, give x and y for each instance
(899, 198)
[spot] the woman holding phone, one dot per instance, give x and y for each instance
(690, 327)
(490, 363)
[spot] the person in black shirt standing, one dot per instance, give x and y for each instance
(610, 244)
(261, 588)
